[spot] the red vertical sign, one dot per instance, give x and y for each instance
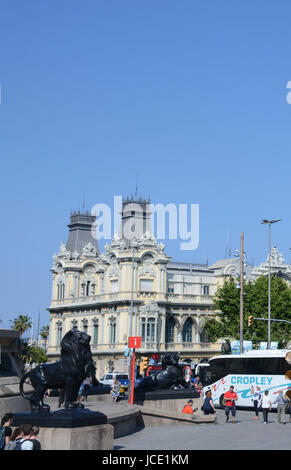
(133, 343)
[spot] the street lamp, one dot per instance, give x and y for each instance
(269, 222)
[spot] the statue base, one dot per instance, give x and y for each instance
(65, 418)
(172, 394)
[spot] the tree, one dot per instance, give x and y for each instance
(44, 333)
(227, 302)
(32, 354)
(22, 323)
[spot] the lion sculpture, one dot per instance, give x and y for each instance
(75, 365)
(172, 375)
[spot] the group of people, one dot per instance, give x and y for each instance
(264, 402)
(261, 401)
(22, 437)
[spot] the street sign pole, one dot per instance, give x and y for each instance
(132, 377)
(133, 343)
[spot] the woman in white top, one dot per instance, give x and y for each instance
(266, 405)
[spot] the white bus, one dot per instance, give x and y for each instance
(269, 369)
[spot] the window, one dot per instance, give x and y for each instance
(146, 285)
(170, 330)
(112, 330)
(122, 377)
(95, 333)
(148, 329)
(187, 331)
(59, 327)
(114, 286)
(205, 290)
(61, 290)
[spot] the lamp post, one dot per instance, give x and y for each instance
(269, 222)
(241, 290)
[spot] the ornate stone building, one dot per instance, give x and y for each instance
(132, 289)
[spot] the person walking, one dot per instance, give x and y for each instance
(266, 405)
(281, 405)
(208, 406)
(230, 398)
(257, 400)
(5, 430)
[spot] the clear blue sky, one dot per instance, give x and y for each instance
(191, 96)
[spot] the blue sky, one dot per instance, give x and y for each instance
(189, 96)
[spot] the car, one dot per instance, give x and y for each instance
(122, 378)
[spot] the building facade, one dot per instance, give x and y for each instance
(132, 289)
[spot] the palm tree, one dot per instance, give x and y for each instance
(44, 333)
(22, 323)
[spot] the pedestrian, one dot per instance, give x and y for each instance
(61, 396)
(16, 436)
(5, 430)
(80, 393)
(266, 405)
(188, 408)
(257, 400)
(26, 441)
(281, 405)
(34, 433)
(86, 386)
(230, 398)
(208, 406)
(115, 391)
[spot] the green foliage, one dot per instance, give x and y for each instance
(32, 354)
(44, 332)
(227, 302)
(22, 323)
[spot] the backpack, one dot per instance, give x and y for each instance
(2, 437)
(11, 445)
(19, 443)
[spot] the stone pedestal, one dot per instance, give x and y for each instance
(98, 437)
(77, 429)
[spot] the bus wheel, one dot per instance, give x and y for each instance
(221, 401)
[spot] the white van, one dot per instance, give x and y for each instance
(108, 379)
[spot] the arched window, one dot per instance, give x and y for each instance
(187, 331)
(170, 330)
(61, 290)
(88, 287)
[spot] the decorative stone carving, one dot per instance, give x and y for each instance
(89, 250)
(149, 310)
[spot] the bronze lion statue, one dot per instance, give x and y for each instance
(75, 365)
(172, 375)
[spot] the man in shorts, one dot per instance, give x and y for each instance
(230, 398)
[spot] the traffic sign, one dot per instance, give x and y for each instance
(134, 341)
